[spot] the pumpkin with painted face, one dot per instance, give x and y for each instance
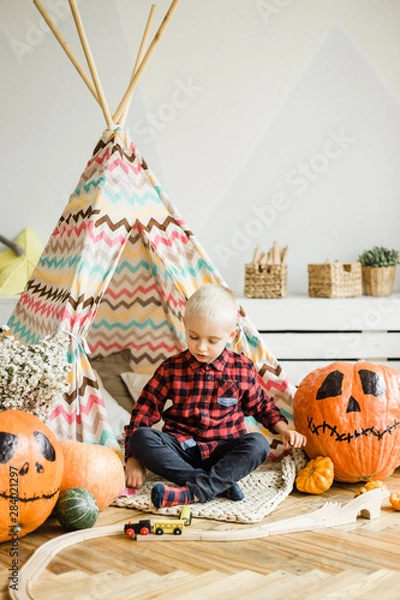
(351, 413)
(31, 468)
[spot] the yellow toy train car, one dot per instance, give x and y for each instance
(186, 514)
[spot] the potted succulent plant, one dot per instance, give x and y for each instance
(378, 268)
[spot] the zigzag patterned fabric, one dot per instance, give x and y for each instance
(116, 274)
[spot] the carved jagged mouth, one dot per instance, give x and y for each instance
(348, 437)
(16, 498)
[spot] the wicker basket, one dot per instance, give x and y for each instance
(378, 281)
(265, 281)
(334, 280)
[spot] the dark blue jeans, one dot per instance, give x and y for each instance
(232, 460)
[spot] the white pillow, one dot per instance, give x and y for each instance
(118, 416)
(135, 382)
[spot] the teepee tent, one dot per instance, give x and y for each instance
(116, 273)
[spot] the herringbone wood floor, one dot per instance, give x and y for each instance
(352, 561)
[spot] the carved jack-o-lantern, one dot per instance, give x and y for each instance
(351, 413)
(31, 468)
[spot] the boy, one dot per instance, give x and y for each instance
(204, 447)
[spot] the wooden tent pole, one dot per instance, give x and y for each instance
(135, 79)
(19, 250)
(139, 57)
(91, 63)
(65, 47)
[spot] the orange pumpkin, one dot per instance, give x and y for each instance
(31, 467)
(394, 500)
(94, 467)
(316, 477)
(373, 484)
(351, 412)
(360, 491)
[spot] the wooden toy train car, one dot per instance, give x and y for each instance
(186, 514)
(160, 526)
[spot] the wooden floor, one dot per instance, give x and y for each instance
(360, 560)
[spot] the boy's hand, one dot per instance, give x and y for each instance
(135, 474)
(290, 437)
(294, 439)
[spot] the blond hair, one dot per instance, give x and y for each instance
(213, 302)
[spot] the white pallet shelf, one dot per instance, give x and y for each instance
(305, 333)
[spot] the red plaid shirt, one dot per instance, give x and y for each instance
(209, 400)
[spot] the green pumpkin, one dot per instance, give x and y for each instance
(76, 508)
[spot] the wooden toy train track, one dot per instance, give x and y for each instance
(330, 515)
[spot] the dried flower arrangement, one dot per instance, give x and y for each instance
(32, 378)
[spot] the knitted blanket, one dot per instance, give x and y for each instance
(264, 489)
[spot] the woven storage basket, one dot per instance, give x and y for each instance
(334, 280)
(378, 281)
(265, 281)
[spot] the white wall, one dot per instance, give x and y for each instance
(264, 120)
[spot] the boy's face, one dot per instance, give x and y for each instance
(206, 340)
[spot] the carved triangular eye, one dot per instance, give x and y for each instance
(372, 383)
(331, 386)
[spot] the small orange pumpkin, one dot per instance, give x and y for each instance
(394, 500)
(351, 412)
(94, 467)
(360, 491)
(316, 477)
(373, 484)
(31, 467)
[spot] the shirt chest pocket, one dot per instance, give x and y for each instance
(228, 394)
